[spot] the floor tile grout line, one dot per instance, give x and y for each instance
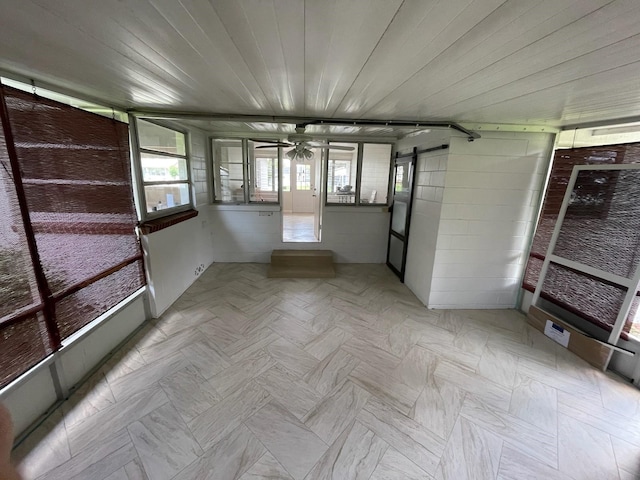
(266, 447)
(137, 452)
(500, 460)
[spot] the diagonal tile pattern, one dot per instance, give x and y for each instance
(246, 377)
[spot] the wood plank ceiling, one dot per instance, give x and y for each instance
(553, 62)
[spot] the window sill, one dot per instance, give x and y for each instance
(356, 208)
(157, 224)
(251, 207)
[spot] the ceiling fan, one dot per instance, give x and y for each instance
(302, 145)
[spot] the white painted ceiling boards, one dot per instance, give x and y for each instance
(554, 62)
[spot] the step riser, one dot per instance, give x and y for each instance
(302, 258)
(301, 264)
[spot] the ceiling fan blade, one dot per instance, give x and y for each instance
(324, 145)
(337, 147)
(277, 143)
(274, 145)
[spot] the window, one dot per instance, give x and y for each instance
(286, 175)
(164, 169)
(342, 175)
(376, 166)
(70, 169)
(360, 176)
(234, 170)
(263, 172)
(229, 175)
(248, 171)
(592, 234)
(303, 177)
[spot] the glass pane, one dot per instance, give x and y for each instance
(161, 139)
(22, 345)
(303, 177)
(602, 224)
(156, 168)
(76, 310)
(532, 273)
(228, 173)
(402, 178)
(562, 166)
(18, 288)
(399, 217)
(632, 325)
(396, 247)
(376, 163)
(160, 197)
(286, 175)
(342, 174)
(263, 169)
(592, 299)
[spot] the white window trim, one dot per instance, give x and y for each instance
(138, 178)
(246, 174)
(359, 164)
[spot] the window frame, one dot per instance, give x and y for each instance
(136, 154)
(251, 168)
(359, 163)
(248, 165)
(324, 158)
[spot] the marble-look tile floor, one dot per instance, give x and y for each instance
(298, 227)
(247, 377)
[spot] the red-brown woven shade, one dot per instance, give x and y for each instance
(601, 229)
(69, 170)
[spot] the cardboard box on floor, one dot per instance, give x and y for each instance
(582, 345)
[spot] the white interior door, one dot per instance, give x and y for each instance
(302, 178)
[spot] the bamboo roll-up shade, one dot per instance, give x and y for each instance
(74, 180)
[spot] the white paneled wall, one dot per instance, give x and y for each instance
(490, 200)
(246, 234)
(175, 256)
(425, 222)
(356, 235)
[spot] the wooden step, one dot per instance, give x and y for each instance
(298, 258)
(301, 264)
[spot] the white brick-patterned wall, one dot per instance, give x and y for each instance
(425, 222)
(199, 167)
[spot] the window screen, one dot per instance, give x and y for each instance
(600, 230)
(74, 180)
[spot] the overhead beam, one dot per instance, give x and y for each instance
(356, 122)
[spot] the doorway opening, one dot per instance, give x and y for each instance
(301, 198)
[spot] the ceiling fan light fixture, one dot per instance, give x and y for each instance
(300, 153)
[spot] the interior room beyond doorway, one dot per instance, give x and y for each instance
(298, 227)
(301, 199)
